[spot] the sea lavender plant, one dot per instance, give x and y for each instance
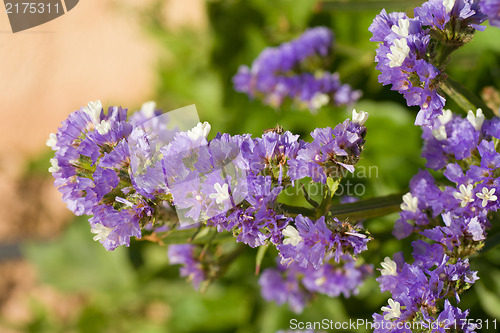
(131, 178)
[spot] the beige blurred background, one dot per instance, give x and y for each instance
(98, 50)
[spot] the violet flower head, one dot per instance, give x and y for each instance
(332, 152)
(184, 254)
(313, 242)
(492, 9)
(407, 56)
(80, 142)
(297, 285)
(296, 71)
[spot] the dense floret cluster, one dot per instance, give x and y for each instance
(413, 52)
(296, 71)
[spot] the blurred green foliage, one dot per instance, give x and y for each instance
(135, 290)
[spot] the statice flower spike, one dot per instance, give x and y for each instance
(413, 52)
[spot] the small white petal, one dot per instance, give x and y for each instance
(464, 194)
(52, 140)
(445, 117)
(292, 236)
(148, 109)
(101, 232)
(222, 193)
(477, 119)
(487, 195)
(389, 267)
(448, 4)
(440, 133)
(410, 203)
(54, 165)
(103, 127)
(399, 52)
(394, 310)
(359, 117)
(93, 109)
(201, 130)
(402, 27)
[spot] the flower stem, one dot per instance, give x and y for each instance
(464, 98)
(360, 210)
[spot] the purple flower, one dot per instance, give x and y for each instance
(290, 71)
(407, 57)
(183, 254)
(331, 153)
(114, 227)
(275, 287)
(296, 285)
(492, 9)
(314, 240)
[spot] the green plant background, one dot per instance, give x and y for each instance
(135, 290)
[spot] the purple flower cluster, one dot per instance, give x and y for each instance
(295, 70)
(184, 254)
(492, 9)
(310, 242)
(316, 257)
(264, 159)
(413, 52)
(453, 219)
(420, 291)
(91, 170)
(332, 151)
(465, 150)
(273, 162)
(296, 285)
(128, 174)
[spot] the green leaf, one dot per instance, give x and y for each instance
(261, 252)
(490, 301)
(368, 208)
(333, 185)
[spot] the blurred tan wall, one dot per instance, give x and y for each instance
(98, 50)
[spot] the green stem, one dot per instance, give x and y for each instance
(194, 237)
(368, 208)
(360, 210)
(464, 98)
